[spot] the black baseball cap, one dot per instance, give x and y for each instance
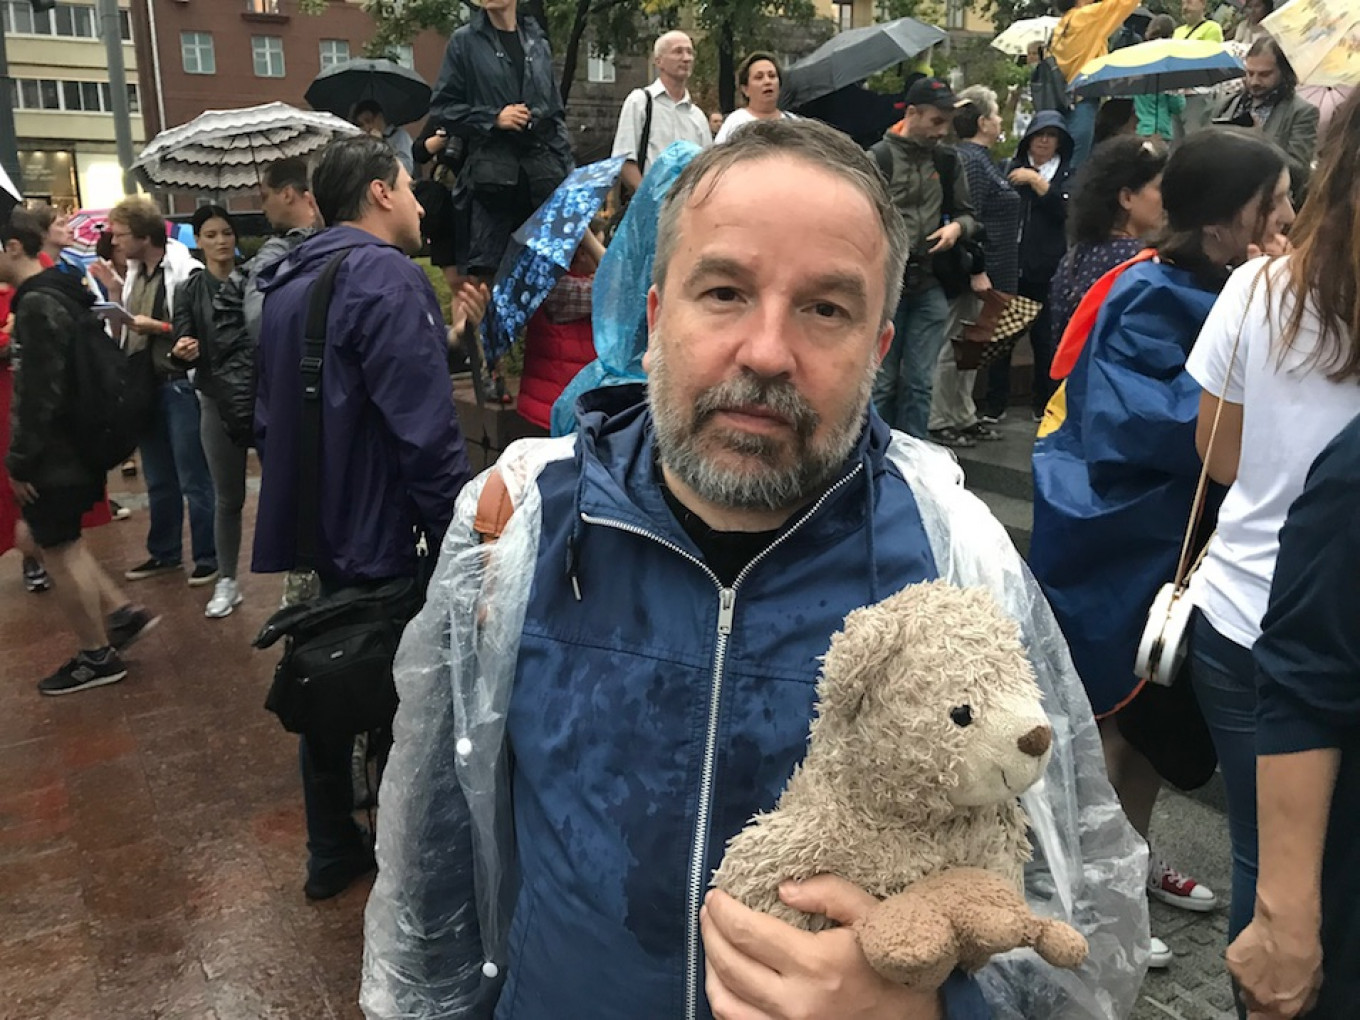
(933, 92)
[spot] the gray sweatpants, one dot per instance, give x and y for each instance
(227, 465)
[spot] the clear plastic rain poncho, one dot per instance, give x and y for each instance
(618, 303)
(436, 924)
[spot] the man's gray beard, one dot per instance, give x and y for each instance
(682, 442)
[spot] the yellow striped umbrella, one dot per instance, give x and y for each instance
(1164, 65)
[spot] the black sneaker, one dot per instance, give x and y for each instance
(992, 419)
(35, 576)
(982, 432)
(951, 437)
(202, 575)
(126, 625)
(87, 669)
(336, 878)
(151, 568)
(119, 512)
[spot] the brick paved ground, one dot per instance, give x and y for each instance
(151, 835)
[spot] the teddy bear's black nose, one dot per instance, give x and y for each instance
(1036, 741)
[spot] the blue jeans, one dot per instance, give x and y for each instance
(1081, 125)
(903, 386)
(176, 470)
(1224, 679)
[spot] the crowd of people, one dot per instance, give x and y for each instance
(615, 665)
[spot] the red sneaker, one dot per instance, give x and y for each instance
(1170, 886)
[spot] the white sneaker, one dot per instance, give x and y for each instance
(226, 597)
(1170, 886)
(1160, 956)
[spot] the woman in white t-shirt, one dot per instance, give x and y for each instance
(758, 78)
(1294, 384)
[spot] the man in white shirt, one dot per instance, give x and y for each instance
(663, 112)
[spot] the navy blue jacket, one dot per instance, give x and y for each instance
(711, 688)
(1043, 218)
(392, 460)
(1308, 662)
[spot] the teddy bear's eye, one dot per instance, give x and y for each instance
(961, 715)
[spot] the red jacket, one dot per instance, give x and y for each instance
(555, 350)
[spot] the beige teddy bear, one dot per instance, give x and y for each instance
(929, 727)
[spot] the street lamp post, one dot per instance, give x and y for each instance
(112, 31)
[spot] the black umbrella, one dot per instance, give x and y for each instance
(403, 95)
(852, 56)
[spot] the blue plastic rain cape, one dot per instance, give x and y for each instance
(619, 304)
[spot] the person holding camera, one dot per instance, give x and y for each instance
(497, 92)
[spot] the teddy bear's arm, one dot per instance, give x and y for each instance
(906, 940)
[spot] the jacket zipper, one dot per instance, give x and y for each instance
(727, 605)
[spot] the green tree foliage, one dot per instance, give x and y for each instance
(732, 26)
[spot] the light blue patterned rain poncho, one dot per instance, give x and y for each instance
(618, 305)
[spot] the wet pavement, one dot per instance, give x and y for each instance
(151, 832)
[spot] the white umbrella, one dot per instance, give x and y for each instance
(1016, 40)
(9, 194)
(225, 149)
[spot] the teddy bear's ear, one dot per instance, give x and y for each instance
(858, 658)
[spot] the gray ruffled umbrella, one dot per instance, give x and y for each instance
(403, 95)
(854, 55)
(222, 150)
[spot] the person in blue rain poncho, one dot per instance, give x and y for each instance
(592, 706)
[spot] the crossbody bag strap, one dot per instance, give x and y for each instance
(1184, 568)
(309, 436)
(645, 141)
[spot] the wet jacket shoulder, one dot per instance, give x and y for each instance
(478, 80)
(236, 315)
(48, 313)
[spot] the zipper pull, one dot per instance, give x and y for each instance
(727, 602)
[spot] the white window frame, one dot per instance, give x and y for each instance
(37, 86)
(404, 54)
(270, 48)
(43, 24)
(845, 15)
(955, 14)
(330, 49)
(600, 67)
(198, 45)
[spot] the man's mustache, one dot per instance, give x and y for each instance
(746, 392)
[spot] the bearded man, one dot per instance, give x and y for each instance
(596, 703)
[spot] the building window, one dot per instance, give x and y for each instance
(263, 7)
(268, 53)
(66, 21)
(956, 14)
(70, 96)
(196, 50)
(405, 55)
(334, 51)
(845, 16)
(600, 67)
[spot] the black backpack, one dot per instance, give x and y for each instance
(111, 393)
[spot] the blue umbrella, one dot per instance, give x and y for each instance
(541, 251)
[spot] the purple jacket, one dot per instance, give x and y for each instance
(392, 457)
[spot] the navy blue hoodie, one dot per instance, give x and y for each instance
(392, 456)
(1043, 219)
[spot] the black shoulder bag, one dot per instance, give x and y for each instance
(335, 677)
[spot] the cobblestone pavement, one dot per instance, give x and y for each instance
(1194, 837)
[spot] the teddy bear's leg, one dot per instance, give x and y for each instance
(909, 942)
(986, 930)
(1060, 944)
